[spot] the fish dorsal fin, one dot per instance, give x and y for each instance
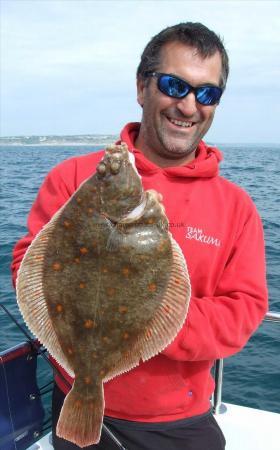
(168, 320)
(30, 294)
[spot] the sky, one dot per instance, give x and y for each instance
(68, 66)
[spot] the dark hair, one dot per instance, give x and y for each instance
(195, 35)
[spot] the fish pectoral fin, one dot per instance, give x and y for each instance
(115, 239)
(81, 417)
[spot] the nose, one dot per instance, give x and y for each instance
(187, 105)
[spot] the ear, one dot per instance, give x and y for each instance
(140, 90)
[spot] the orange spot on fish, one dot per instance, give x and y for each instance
(67, 224)
(78, 403)
(177, 281)
(79, 200)
(38, 258)
(125, 335)
(106, 339)
(77, 260)
(161, 247)
(152, 287)
(151, 221)
(111, 291)
(104, 270)
(122, 309)
(149, 333)
(90, 210)
(87, 380)
(59, 308)
(88, 323)
(82, 285)
(83, 250)
(125, 271)
(166, 309)
(57, 266)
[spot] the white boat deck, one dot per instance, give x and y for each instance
(244, 429)
(249, 429)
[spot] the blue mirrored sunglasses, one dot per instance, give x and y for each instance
(177, 88)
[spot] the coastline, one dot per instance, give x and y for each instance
(56, 140)
(109, 140)
(56, 144)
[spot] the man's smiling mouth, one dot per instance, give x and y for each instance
(181, 123)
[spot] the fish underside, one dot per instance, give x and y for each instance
(103, 286)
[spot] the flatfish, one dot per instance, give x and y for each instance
(103, 286)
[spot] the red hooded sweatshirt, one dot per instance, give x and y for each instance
(220, 233)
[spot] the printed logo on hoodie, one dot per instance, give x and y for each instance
(198, 235)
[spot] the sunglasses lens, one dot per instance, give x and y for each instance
(208, 95)
(173, 87)
(177, 88)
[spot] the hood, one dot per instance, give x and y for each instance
(205, 165)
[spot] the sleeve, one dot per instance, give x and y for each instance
(220, 325)
(54, 192)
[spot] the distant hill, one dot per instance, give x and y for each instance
(94, 139)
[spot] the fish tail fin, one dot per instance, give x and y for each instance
(80, 419)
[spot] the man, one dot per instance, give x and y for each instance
(164, 402)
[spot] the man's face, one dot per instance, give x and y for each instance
(162, 135)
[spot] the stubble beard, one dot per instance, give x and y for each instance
(175, 150)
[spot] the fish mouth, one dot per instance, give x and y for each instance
(136, 213)
(132, 216)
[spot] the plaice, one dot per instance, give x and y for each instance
(103, 286)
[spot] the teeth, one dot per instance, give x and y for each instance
(181, 124)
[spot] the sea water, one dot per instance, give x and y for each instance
(251, 377)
